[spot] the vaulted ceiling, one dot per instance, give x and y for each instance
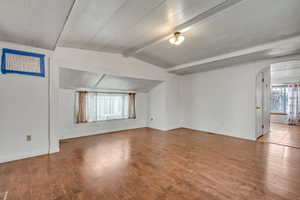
(218, 32)
(75, 79)
(33, 22)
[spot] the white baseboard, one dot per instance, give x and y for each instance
(9, 158)
(222, 133)
(71, 135)
(163, 128)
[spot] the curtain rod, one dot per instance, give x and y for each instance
(284, 84)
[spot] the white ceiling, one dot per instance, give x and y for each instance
(117, 25)
(141, 27)
(262, 52)
(110, 82)
(75, 79)
(247, 24)
(33, 22)
(285, 72)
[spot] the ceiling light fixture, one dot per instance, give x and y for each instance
(177, 38)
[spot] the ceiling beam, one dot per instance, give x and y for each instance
(283, 45)
(65, 23)
(197, 19)
(100, 79)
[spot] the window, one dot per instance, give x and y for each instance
(96, 106)
(279, 102)
(101, 106)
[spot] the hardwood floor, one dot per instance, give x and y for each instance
(154, 165)
(283, 134)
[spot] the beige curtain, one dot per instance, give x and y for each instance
(131, 108)
(82, 113)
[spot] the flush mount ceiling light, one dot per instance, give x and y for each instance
(177, 38)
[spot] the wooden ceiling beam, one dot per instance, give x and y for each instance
(197, 19)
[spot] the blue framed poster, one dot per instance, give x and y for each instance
(22, 62)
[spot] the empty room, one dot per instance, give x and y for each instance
(150, 100)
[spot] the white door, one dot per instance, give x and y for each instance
(263, 101)
(266, 100)
(259, 104)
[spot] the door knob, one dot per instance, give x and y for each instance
(257, 107)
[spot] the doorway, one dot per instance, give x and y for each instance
(284, 109)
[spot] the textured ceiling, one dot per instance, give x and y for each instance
(118, 24)
(239, 58)
(33, 22)
(75, 79)
(110, 82)
(284, 66)
(247, 24)
(286, 72)
(141, 26)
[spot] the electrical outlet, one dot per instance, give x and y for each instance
(28, 138)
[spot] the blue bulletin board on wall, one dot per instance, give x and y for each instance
(22, 62)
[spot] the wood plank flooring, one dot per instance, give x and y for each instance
(147, 164)
(283, 134)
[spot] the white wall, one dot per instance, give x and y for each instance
(165, 110)
(108, 63)
(69, 129)
(157, 107)
(115, 64)
(174, 103)
(223, 101)
(23, 111)
(220, 101)
(24, 101)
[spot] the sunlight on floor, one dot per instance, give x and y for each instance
(283, 134)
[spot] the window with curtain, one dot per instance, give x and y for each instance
(279, 100)
(96, 106)
(293, 104)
